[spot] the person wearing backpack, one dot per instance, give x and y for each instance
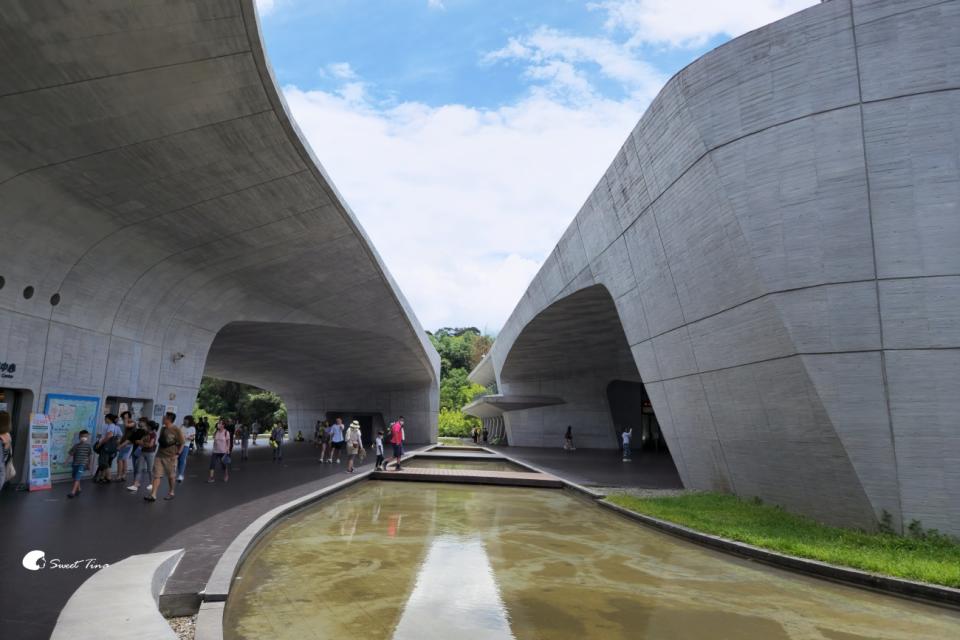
(106, 448)
(396, 439)
(170, 443)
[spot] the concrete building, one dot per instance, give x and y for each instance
(161, 217)
(772, 264)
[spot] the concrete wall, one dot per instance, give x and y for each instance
(151, 177)
(780, 236)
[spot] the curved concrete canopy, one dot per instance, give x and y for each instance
(780, 235)
(152, 178)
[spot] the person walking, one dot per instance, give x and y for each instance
(125, 446)
(325, 441)
(189, 435)
(203, 430)
(256, 431)
(568, 439)
(148, 453)
(378, 448)
(6, 449)
(244, 441)
(221, 452)
(625, 437)
(276, 441)
(231, 428)
(136, 457)
(336, 439)
(170, 443)
(354, 444)
(106, 448)
(396, 439)
(81, 455)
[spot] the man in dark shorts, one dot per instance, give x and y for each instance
(396, 439)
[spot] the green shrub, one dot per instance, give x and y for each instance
(454, 423)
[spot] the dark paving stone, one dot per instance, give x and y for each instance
(602, 467)
(110, 523)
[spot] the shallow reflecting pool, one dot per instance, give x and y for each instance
(412, 561)
(452, 463)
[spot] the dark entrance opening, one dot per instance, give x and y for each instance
(630, 407)
(18, 403)
(370, 423)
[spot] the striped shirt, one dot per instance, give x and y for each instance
(81, 453)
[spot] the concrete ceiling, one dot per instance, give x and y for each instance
(150, 175)
(578, 333)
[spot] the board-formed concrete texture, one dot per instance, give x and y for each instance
(152, 179)
(775, 254)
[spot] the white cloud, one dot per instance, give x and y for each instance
(436, 4)
(691, 23)
(265, 7)
(565, 62)
(463, 203)
(341, 70)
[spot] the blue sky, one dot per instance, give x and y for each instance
(407, 50)
(466, 134)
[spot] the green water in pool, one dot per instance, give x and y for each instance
(473, 465)
(425, 561)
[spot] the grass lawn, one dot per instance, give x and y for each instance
(928, 557)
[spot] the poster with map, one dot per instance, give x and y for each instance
(68, 415)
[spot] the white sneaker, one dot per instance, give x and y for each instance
(149, 487)
(132, 487)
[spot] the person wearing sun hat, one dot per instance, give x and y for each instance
(354, 444)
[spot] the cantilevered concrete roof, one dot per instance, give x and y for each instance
(153, 179)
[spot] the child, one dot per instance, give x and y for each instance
(379, 449)
(82, 454)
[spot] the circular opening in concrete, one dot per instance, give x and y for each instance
(28, 293)
(55, 299)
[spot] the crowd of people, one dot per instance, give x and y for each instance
(335, 439)
(152, 453)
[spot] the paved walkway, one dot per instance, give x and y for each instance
(601, 467)
(108, 523)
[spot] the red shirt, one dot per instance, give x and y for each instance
(396, 433)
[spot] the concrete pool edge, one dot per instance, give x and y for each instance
(209, 624)
(923, 592)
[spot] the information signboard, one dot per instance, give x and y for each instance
(39, 476)
(68, 415)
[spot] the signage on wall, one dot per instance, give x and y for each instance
(39, 477)
(7, 369)
(68, 415)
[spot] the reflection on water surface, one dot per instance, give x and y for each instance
(412, 561)
(451, 463)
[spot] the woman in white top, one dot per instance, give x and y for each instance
(354, 444)
(189, 436)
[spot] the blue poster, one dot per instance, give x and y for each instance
(68, 415)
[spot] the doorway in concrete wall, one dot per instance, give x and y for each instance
(630, 408)
(18, 403)
(370, 423)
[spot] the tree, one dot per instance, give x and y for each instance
(460, 349)
(238, 401)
